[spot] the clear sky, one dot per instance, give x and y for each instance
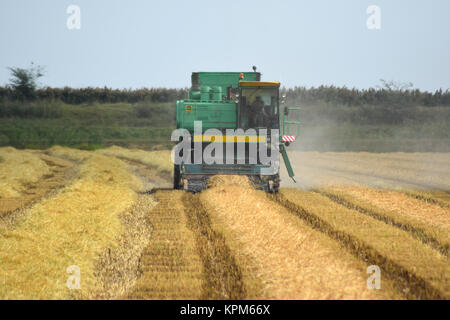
(153, 43)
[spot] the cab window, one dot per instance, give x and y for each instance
(259, 108)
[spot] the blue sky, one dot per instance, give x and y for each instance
(133, 44)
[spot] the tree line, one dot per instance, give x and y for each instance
(384, 96)
(89, 95)
(310, 96)
(23, 86)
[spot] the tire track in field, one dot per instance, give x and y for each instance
(418, 233)
(205, 269)
(156, 257)
(170, 267)
(223, 277)
(413, 286)
(117, 269)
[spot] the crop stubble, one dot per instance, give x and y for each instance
(418, 270)
(233, 242)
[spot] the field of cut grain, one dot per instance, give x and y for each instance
(291, 260)
(111, 213)
(18, 169)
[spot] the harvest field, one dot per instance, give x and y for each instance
(112, 214)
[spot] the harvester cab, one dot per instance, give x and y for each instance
(230, 124)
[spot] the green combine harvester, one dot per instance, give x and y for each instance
(234, 100)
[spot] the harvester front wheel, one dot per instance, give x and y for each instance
(176, 177)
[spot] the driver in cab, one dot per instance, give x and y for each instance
(258, 114)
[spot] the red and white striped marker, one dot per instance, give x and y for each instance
(288, 138)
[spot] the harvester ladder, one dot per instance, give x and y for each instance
(287, 122)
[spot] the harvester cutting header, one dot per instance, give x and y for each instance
(237, 102)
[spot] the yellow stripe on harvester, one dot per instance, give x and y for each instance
(250, 139)
(258, 84)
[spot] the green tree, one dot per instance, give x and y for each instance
(24, 81)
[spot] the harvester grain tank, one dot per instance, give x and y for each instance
(233, 100)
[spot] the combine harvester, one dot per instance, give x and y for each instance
(229, 101)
